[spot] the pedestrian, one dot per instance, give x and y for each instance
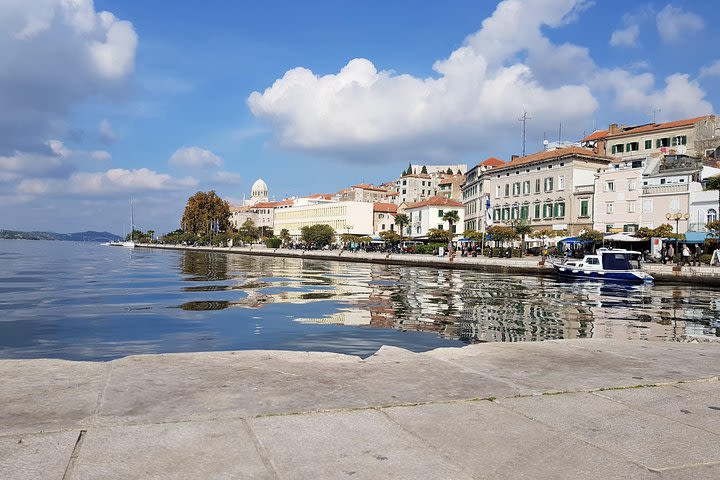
(663, 254)
(671, 253)
(697, 254)
(685, 255)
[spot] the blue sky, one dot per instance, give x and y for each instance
(157, 100)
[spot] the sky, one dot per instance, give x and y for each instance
(105, 101)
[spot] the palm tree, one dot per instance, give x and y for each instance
(452, 218)
(402, 221)
(285, 236)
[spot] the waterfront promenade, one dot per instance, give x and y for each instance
(557, 409)
(705, 275)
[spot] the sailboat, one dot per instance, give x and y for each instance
(127, 243)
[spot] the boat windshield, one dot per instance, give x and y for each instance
(616, 261)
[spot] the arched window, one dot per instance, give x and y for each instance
(712, 215)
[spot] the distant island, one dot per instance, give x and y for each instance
(89, 236)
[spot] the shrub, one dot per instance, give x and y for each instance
(273, 242)
(705, 258)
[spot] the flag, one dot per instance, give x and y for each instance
(488, 211)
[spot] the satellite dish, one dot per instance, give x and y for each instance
(546, 143)
(681, 150)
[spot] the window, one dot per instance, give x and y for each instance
(404, 191)
(547, 210)
(516, 189)
(454, 228)
(537, 185)
(632, 147)
(514, 212)
(620, 148)
(648, 144)
(609, 207)
(440, 227)
(632, 184)
(637, 164)
(526, 187)
(537, 211)
(548, 184)
(382, 227)
(662, 142)
(711, 215)
(440, 213)
(560, 210)
(584, 204)
(506, 213)
(404, 182)
(497, 191)
(610, 186)
(679, 140)
(525, 212)
(647, 205)
(561, 182)
(631, 207)
(507, 189)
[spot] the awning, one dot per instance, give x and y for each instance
(695, 237)
(622, 237)
(574, 241)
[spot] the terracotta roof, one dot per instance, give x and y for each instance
(384, 207)
(392, 194)
(552, 154)
(436, 201)
(366, 186)
(418, 175)
(652, 127)
(596, 135)
(492, 162)
(324, 196)
(451, 178)
(272, 204)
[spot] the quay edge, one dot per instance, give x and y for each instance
(709, 276)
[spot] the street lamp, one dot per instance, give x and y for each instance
(677, 216)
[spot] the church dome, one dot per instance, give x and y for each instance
(259, 188)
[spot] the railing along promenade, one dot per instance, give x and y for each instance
(705, 275)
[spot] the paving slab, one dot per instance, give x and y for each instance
(36, 455)
(189, 450)
(642, 437)
(48, 394)
(353, 444)
(495, 442)
(698, 409)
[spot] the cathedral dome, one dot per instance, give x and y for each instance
(259, 188)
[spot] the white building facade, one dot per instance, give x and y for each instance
(343, 217)
(429, 214)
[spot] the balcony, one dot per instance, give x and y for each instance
(665, 189)
(584, 190)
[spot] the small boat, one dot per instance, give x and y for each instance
(127, 243)
(606, 264)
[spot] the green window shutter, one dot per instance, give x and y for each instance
(674, 141)
(440, 213)
(614, 149)
(658, 143)
(683, 140)
(537, 210)
(648, 144)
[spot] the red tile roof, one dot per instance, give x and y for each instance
(384, 207)
(272, 204)
(324, 196)
(436, 201)
(652, 127)
(366, 186)
(418, 175)
(492, 162)
(555, 154)
(596, 135)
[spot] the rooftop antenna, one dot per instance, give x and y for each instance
(560, 135)
(655, 111)
(524, 120)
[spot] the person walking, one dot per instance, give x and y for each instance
(671, 253)
(663, 254)
(685, 255)
(697, 254)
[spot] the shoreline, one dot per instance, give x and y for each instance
(705, 275)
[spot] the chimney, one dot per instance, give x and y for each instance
(613, 129)
(514, 157)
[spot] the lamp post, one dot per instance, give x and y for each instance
(677, 216)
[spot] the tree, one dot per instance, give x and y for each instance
(437, 235)
(409, 170)
(523, 228)
(452, 218)
(424, 169)
(402, 221)
(449, 171)
(713, 227)
(285, 236)
(203, 210)
(593, 236)
(248, 232)
(390, 237)
(318, 235)
(663, 231)
(501, 233)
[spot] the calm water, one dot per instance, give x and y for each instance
(91, 302)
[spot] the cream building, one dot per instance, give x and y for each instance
(384, 217)
(343, 217)
(364, 193)
(473, 193)
(552, 190)
(429, 213)
(450, 186)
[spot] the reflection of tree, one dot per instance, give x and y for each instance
(204, 265)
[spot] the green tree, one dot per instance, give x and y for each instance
(248, 232)
(390, 237)
(437, 235)
(424, 169)
(318, 235)
(409, 170)
(713, 227)
(501, 233)
(523, 228)
(452, 218)
(402, 221)
(202, 211)
(449, 171)
(593, 236)
(285, 236)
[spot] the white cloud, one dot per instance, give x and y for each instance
(361, 110)
(625, 37)
(673, 23)
(59, 148)
(227, 178)
(195, 157)
(100, 155)
(712, 70)
(107, 134)
(63, 52)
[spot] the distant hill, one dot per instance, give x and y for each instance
(88, 236)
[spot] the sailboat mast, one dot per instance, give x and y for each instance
(132, 217)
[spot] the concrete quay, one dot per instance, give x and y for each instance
(594, 409)
(704, 275)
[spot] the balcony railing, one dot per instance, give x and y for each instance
(664, 189)
(582, 189)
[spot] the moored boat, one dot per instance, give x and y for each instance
(606, 264)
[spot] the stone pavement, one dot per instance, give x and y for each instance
(555, 409)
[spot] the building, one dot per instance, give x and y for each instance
(258, 193)
(704, 205)
(440, 170)
(384, 217)
(240, 215)
(552, 190)
(364, 193)
(343, 217)
(473, 194)
(617, 205)
(429, 213)
(415, 187)
(450, 186)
